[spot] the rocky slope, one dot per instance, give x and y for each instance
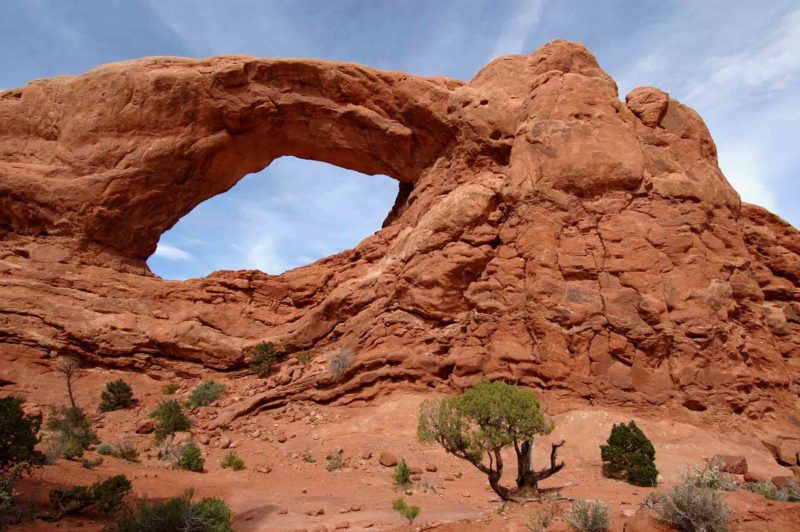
(544, 232)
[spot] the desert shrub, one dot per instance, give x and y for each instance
(106, 449)
(232, 461)
(206, 393)
(790, 492)
(588, 516)
(408, 512)
(18, 435)
(339, 363)
(335, 461)
(178, 513)
(127, 451)
(263, 358)
(118, 394)
(710, 476)
(170, 418)
(303, 357)
(402, 475)
(693, 509)
(91, 463)
(308, 457)
(72, 432)
(190, 458)
(169, 389)
(540, 521)
(629, 454)
(482, 422)
(105, 496)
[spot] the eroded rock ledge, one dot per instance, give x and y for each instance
(546, 232)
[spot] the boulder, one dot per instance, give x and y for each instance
(387, 459)
(736, 465)
(145, 427)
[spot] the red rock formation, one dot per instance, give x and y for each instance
(545, 232)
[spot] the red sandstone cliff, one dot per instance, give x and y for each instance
(545, 232)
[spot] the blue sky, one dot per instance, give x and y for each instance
(736, 62)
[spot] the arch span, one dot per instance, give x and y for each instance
(132, 150)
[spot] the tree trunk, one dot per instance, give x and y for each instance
(529, 479)
(524, 464)
(69, 392)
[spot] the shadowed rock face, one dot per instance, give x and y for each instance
(545, 232)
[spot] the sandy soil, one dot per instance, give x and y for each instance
(359, 496)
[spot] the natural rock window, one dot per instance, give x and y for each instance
(292, 213)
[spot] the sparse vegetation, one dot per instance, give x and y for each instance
(118, 394)
(105, 449)
(232, 461)
(339, 363)
(408, 512)
(127, 451)
(629, 454)
(170, 418)
(69, 367)
(487, 418)
(91, 463)
(690, 508)
(18, 438)
(178, 513)
(105, 496)
(264, 357)
(303, 357)
(540, 521)
(710, 477)
(588, 516)
(308, 457)
(169, 389)
(190, 458)
(335, 461)
(206, 393)
(72, 433)
(790, 492)
(402, 475)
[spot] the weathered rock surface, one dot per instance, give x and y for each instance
(544, 232)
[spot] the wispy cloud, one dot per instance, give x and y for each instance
(772, 66)
(166, 251)
(513, 39)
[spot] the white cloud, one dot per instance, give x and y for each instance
(774, 65)
(165, 251)
(513, 39)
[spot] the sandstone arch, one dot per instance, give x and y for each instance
(547, 232)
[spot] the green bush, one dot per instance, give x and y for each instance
(91, 463)
(303, 357)
(170, 418)
(232, 461)
(105, 496)
(629, 454)
(693, 509)
(790, 492)
(588, 516)
(18, 435)
(178, 513)
(169, 389)
(72, 432)
(339, 363)
(118, 394)
(263, 359)
(190, 458)
(127, 451)
(335, 461)
(105, 449)
(402, 475)
(409, 512)
(206, 393)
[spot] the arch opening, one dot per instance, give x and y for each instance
(290, 214)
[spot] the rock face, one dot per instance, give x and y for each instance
(544, 232)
